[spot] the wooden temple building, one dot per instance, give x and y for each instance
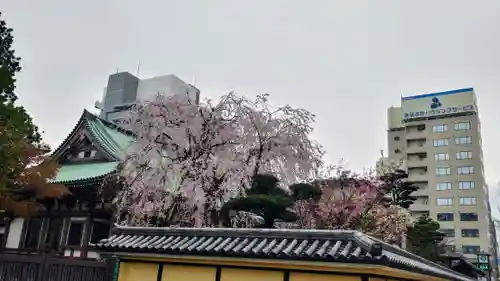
(54, 245)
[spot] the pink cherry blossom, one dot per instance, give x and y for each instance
(355, 203)
(189, 159)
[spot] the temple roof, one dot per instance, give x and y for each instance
(80, 172)
(111, 141)
(335, 246)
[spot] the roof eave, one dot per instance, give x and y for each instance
(61, 147)
(80, 182)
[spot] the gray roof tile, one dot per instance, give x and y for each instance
(318, 245)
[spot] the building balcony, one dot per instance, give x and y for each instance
(421, 204)
(418, 178)
(415, 135)
(418, 174)
(421, 191)
(417, 163)
(416, 214)
(420, 207)
(416, 148)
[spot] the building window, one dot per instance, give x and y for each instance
(443, 171)
(463, 140)
(464, 155)
(470, 232)
(443, 186)
(448, 232)
(100, 230)
(444, 201)
(53, 237)
(33, 233)
(462, 126)
(445, 217)
(464, 185)
(468, 216)
(467, 201)
(397, 151)
(441, 157)
(440, 142)
(468, 249)
(396, 138)
(440, 128)
(465, 170)
(75, 233)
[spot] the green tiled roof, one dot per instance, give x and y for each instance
(112, 140)
(76, 172)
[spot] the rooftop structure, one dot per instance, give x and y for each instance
(124, 89)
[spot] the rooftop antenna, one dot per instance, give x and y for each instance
(138, 68)
(117, 70)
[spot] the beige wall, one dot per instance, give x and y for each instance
(320, 277)
(413, 142)
(407, 143)
(191, 273)
(395, 117)
(144, 271)
(138, 271)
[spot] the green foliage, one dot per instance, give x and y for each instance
(24, 167)
(264, 199)
(400, 188)
(425, 240)
(305, 191)
(9, 64)
(16, 126)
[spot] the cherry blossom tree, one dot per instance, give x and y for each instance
(357, 203)
(276, 141)
(196, 157)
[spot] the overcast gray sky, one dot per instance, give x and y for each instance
(346, 61)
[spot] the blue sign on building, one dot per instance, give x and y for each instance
(435, 108)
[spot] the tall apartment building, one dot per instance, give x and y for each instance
(124, 89)
(438, 137)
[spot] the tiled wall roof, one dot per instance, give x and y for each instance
(313, 245)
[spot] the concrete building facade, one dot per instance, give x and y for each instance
(124, 89)
(438, 137)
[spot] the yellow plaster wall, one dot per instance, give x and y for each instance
(134, 271)
(295, 276)
(230, 274)
(143, 271)
(188, 273)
